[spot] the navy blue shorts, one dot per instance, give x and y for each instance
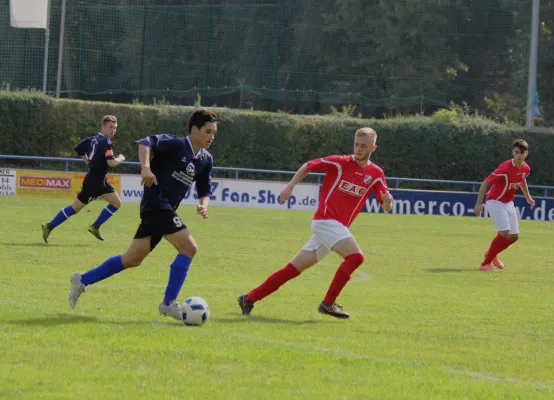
(157, 224)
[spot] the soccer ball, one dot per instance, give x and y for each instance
(195, 311)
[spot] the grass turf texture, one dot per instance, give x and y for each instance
(425, 324)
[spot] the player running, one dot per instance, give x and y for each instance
(504, 183)
(98, 154)
(348, 182)
(169, 165)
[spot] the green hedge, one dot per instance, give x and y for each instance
(420, 147)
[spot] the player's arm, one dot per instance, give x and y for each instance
(85, 159)
(204, 190)
(297, 178)
(114, 161)
(525, 190)
(384, 197)
(157, 144)
(387, 201)
(148, 178)
(483, 189)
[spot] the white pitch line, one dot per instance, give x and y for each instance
(314, 349)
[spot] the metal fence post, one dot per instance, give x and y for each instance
(141, 76)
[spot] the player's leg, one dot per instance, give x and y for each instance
(62, 216)
(110, 195)
(142, 244)
(169, 225)
(500, 216)
(350, 251)
(305, 258)
(339, 239)
(512, 235)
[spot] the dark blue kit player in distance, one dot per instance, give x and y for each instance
(98, 154)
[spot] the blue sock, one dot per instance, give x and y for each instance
(177, 276)
(62, 216)
(111, 266)
(105, 215)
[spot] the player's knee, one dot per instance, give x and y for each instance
(356, 259)
(189, 249)
(505, 234)
(514, 237)
(131, 260)
(77, 207)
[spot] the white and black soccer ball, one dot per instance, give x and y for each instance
(196, 311)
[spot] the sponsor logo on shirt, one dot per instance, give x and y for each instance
(352, 188)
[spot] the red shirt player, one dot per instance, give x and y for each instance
(349, 180)
(504, 183)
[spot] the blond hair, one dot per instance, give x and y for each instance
(366, 131)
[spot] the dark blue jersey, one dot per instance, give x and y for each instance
(176, 167)
(99, 150)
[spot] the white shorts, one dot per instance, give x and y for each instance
(503, 215)
(326, 233)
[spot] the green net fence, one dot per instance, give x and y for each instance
(301, 56)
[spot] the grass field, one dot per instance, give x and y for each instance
(425, 323)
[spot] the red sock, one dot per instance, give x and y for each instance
(342, 276)
(273, 282)
(498, 244)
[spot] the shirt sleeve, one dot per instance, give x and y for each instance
(204, 181)
(82, 147)
(160, 143)
(497, 175)
(108, 152)
(324, 164)
(379, 186)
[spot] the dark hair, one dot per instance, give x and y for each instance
(200, 117)
(108, 118)
(520, 144)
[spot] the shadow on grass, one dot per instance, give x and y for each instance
(438, 270)
(266, 320)
(36, 244)
(52, 320)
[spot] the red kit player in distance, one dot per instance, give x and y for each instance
(504, 182)
(348, 182)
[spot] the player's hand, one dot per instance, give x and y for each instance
(478, 209)
(285, 194)
(121, 157)
(148, 178)
(531, 202)
(387, 199)
(202, 210)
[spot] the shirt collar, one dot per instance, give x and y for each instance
(192, 148)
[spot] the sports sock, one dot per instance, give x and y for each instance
(342, 276)
(498, 244)
(273, 282)
(61, 217)
(111, 266)
(177, 275)
(105, 215)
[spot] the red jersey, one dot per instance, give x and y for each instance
(505, 181)
(346, 187)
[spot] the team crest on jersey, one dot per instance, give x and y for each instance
(190, 169)
(367, 179)
(523, 175)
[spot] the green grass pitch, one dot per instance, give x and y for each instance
(425, 323)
